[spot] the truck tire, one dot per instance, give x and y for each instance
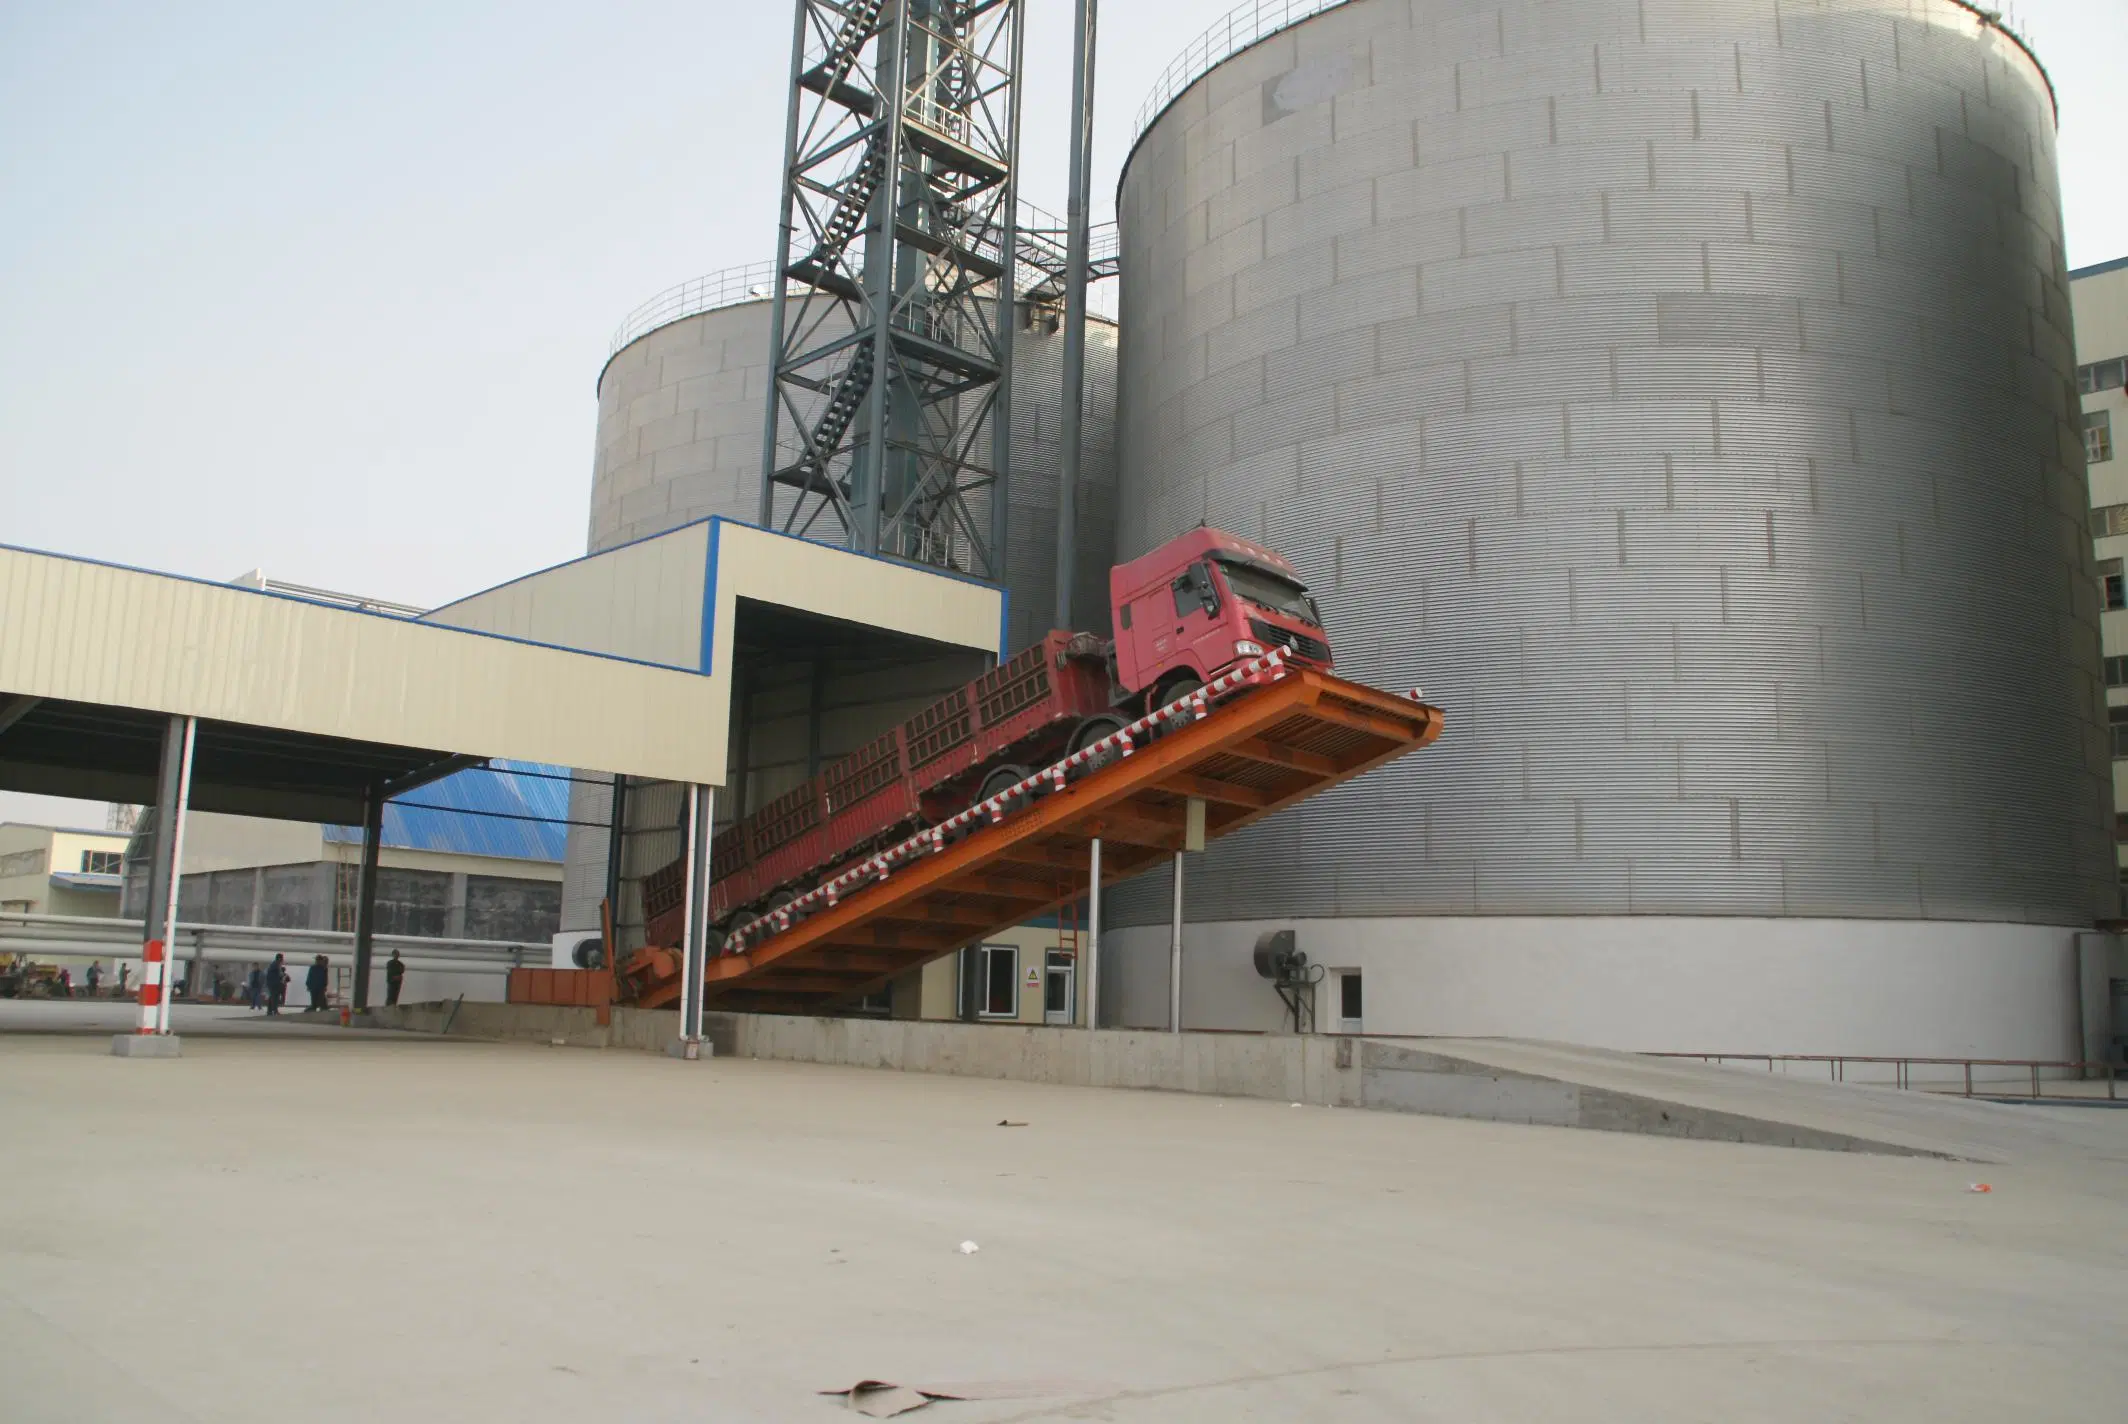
(1001, 780)
(1181, 685)
(1092, 730)
(738, 925)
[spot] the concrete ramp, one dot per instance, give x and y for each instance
(1565, 1085)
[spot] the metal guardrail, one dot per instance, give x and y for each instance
(1041, 257)
(1242, 27)
(1246, 24)
(1903, 1068)
(72, 936)
(724, 288)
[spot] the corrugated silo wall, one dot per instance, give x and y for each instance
(679, 439)
(1680, 392)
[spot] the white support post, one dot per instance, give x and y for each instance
(158, 958)
(1174, 956)
(700, 815)
(1093, 941)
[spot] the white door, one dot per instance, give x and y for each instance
(1060, 987)
(1350, 1001)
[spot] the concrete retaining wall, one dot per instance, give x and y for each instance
(1322, 1071)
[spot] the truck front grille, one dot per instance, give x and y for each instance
(1314, 650)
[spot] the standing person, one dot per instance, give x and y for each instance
(314, 981)
(255, 988)
(125, 972)
(94, 976)
(276, 984)
(66, 982)
(394, 976)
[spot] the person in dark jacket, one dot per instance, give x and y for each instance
(314, 981)
(255, 988)
(276, 984)
(394, 976)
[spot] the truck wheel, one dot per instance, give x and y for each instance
(739, 923)
(1001, 781)
(1092, 730)
(1172, 689)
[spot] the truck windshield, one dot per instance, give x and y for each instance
(1268, 590)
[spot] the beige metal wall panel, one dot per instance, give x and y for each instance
(641, 601)
(2100, 301)
(95, 633)
(812, 578)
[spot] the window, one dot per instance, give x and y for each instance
(1270, 590)
(2108, 520)
(2098, 436)
(17, 907)
(103, 862)
(2117, 719)
(2117, 672)
(501, 908)
(2114, 585)
(1001, 981)
(1193, 591)
(2102, 376)
(22, 862)
(1349, 997)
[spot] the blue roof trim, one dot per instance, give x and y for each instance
(518, 811)
(2098, 267)
(341, 607)
(86, 880)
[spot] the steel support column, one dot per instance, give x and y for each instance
(699, 818)
(366, 891)
(1093, 936)
(1077, 251)
(173, 793)
(616, 843)
(1174, 956)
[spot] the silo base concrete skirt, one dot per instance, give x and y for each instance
(146, 1045)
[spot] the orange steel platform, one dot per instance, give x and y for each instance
(1247, 758)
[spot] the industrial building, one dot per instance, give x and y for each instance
(58, 870)
(2099, 296)
(1683, 394)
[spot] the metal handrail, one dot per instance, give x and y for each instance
(1260, 19)
(1242, 27)
(729, 287)
(756, 281)
(1903, 1068)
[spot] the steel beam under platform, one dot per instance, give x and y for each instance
(1270, 748)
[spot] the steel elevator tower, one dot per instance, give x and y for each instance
(888, 423)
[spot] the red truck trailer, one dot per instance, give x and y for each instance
(1184, 615)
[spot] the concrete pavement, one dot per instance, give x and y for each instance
(271, 1229)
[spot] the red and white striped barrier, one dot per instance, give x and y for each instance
(873, 869)
(154, 963)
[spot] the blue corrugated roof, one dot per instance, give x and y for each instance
(515, 810)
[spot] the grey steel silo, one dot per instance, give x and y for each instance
(1678, 390)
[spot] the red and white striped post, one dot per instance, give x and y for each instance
(151, 1036)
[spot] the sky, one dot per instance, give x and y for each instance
(324, 289)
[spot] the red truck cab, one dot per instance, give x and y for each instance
(1197, 605)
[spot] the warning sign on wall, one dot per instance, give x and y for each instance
(1034, 977)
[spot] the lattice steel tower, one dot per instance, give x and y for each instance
(887, 421)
